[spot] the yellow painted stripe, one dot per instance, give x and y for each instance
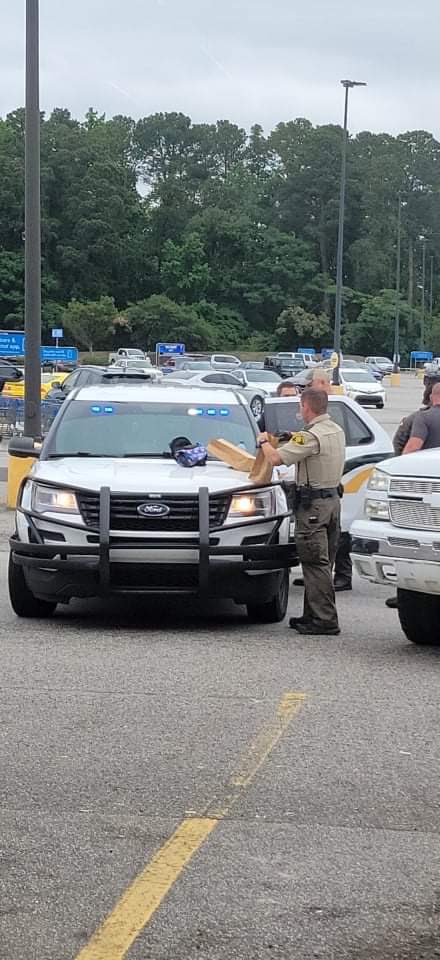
(257, 755)
(356, 482)
(146, 893)
(141, 900)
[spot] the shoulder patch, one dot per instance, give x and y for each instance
(297, 438)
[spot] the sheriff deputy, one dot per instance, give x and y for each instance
(319, 453)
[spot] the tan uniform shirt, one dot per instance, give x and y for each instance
(319, 452)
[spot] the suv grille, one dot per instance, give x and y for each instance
(183, 515)
(414, 515)
(415, 487)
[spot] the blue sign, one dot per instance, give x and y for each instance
(421, 355)
(57, 333)
(170, 349)
(310, 350)
(11, 343)
(59, 355)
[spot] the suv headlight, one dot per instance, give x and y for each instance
(53, 500)
(379, 480)
(377, 510)
(252, 505)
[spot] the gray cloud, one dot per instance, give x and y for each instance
(247, 60)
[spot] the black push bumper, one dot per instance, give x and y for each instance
(61, 571)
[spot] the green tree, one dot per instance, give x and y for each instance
(184, 271)
(90, 323)
(296, 327)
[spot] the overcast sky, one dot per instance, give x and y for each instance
(246, 60)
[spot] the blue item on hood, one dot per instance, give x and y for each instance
(187, 454)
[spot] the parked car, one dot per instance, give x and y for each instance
(224, 378)
(382, 363)
(136, 363)
(367, 444)
(224, 361)
(285, 366)
(360, 385)
(265, 381)
(396, 540)
(252, 365)
(9, 373)
(87, 492)
(127, 353)
(94, 375)
(16, 390)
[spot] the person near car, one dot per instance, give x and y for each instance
(318, 452)
(343, 569)
(402, 440)
(284, 389)
(404, 429)
(425, 432)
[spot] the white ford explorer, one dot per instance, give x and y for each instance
(106, 509)
(397, 541)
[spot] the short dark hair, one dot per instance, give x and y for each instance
(316, 399)
(282, 386)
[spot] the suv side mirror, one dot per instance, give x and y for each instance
(57, 385)
(24, 447)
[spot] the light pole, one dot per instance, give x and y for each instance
(32, 402)
(422, 324)
(396, 359)
(431, 287)
(348, 85)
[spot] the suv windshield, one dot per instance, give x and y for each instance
(124, 429)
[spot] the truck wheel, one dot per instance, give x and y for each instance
(274, 610)
(23, 602)
(419, 616)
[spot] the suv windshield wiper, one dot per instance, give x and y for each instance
(164, 455)
(79, 453)
(111, 456)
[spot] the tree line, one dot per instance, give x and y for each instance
(162, 228)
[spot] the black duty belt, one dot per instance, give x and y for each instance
(319, 494)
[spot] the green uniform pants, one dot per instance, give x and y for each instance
(317, 531)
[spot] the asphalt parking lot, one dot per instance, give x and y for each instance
(177, 783)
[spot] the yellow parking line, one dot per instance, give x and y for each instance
(143, 897)
(146, 893)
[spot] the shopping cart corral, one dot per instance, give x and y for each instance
(12, 416)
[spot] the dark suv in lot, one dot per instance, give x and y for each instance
(285, 366)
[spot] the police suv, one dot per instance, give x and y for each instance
(106, 509)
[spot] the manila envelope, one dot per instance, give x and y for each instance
(262, 470)
(234, 456)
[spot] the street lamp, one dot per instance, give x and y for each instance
(423, 284)
(32, 402)
(396, 358)
(431, 287)
(348, 85)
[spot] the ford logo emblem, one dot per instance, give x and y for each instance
(153, 510)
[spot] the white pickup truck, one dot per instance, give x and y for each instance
(397, 541)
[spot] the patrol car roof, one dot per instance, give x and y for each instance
(155, 393)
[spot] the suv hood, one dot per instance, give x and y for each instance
(136, 475)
